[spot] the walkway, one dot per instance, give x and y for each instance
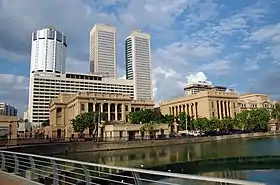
(9, 179)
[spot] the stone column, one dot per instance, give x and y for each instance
(55, 116)
(109, 111)
(116, 111)
(101, 107)
(86, 107)
(101, 111)
(229, 109)
(123, 113)
(129, 109)
(93, 107)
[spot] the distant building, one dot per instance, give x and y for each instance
(255, 101)
(138, 64)
(102, 50)
(48, 51)
(202, 86)
(210, 103)
(7, 110)
(114, 108)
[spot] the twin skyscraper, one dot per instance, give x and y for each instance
(102, 55)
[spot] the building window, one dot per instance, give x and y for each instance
(213, 114)
(82, 107)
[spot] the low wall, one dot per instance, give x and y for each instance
(71, 147)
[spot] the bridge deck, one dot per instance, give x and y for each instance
(9, 179)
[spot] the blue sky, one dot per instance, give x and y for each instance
(235, 43)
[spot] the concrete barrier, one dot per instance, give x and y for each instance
(59, 148)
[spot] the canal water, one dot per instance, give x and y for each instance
(158, 156)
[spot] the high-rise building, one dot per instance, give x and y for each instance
(48, 51)
(102, 51)
(46, 86)
(138, 64)
(7, 110)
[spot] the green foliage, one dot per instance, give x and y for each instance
(275, 113)
(44, 123)
(148, 127)
(253, 120)
(84, 121)
(200, 124)
(183, 119)
(149, 115)
(250, 120)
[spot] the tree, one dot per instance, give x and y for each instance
(182, 121)
(145, 116)
(253, 120)
(168, 119)
(200, 123)
(86, 120)
(275, 112)
(45, 123)
(149, 128)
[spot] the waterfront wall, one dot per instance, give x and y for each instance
(71, 147)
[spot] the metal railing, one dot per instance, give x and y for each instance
(56, 171)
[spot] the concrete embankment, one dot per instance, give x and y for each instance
(71, 147)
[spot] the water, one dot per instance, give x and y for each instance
(149, 157)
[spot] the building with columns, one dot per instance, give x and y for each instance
(114, 107)
(203, 104)
(255, 101)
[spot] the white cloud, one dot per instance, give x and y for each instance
(195, 78)
(218, 67)
(13, 90)
(267, 34)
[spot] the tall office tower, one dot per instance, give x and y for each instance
(103, 50)
(138, 64)
(48, 51)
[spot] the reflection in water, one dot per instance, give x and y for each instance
(271, 177)
(150, 157)
(156, 156)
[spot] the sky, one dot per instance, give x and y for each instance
(235, 43)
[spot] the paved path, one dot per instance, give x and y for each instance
(9, 179)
